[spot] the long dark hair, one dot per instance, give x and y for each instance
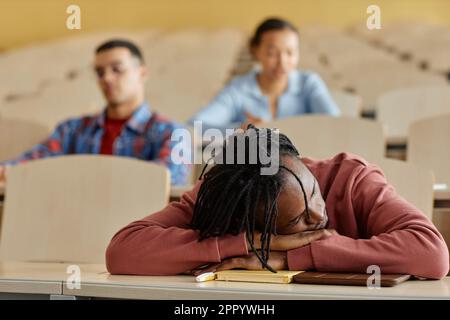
(269, 25)
(231, 194)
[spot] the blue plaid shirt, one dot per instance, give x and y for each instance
(145, 136)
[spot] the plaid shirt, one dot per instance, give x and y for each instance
(145, 136)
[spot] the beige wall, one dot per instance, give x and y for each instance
(23, 22)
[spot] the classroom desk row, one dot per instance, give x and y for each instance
(52, 281)
(441, 197)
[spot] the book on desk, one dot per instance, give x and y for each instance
(303, 277)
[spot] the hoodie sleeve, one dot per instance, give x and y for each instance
(164, 244)
(395, 235)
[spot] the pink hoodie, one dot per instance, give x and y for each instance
(375, 225)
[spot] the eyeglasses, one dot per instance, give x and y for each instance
(115, 69)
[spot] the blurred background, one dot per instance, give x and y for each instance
(23, 22)
(195, 46)
(397, 77)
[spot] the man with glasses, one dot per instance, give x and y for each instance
(126, 127)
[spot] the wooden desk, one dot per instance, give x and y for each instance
(36, 280)
(51, 279)
(184, 287)
(397, 141)
(31, 280)
(442, 195)
(442, 199)
(175, 191)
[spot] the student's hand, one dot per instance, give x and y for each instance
(251, 120)
(277, 260)
(294, 241)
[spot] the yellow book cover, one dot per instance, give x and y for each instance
(283, 276)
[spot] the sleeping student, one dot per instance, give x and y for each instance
(332, 215)
(275, 90)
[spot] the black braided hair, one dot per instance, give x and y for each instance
(270, 24)
(231, 194)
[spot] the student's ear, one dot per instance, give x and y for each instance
(144, 72)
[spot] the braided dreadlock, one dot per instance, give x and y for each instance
(230, 195)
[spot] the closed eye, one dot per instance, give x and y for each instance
(294, 221)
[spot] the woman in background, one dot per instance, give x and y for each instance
(275, 90)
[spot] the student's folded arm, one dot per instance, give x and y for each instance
(222, 112)
(52, 146)
(164, 244)
(319, 98)
(395, 236)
